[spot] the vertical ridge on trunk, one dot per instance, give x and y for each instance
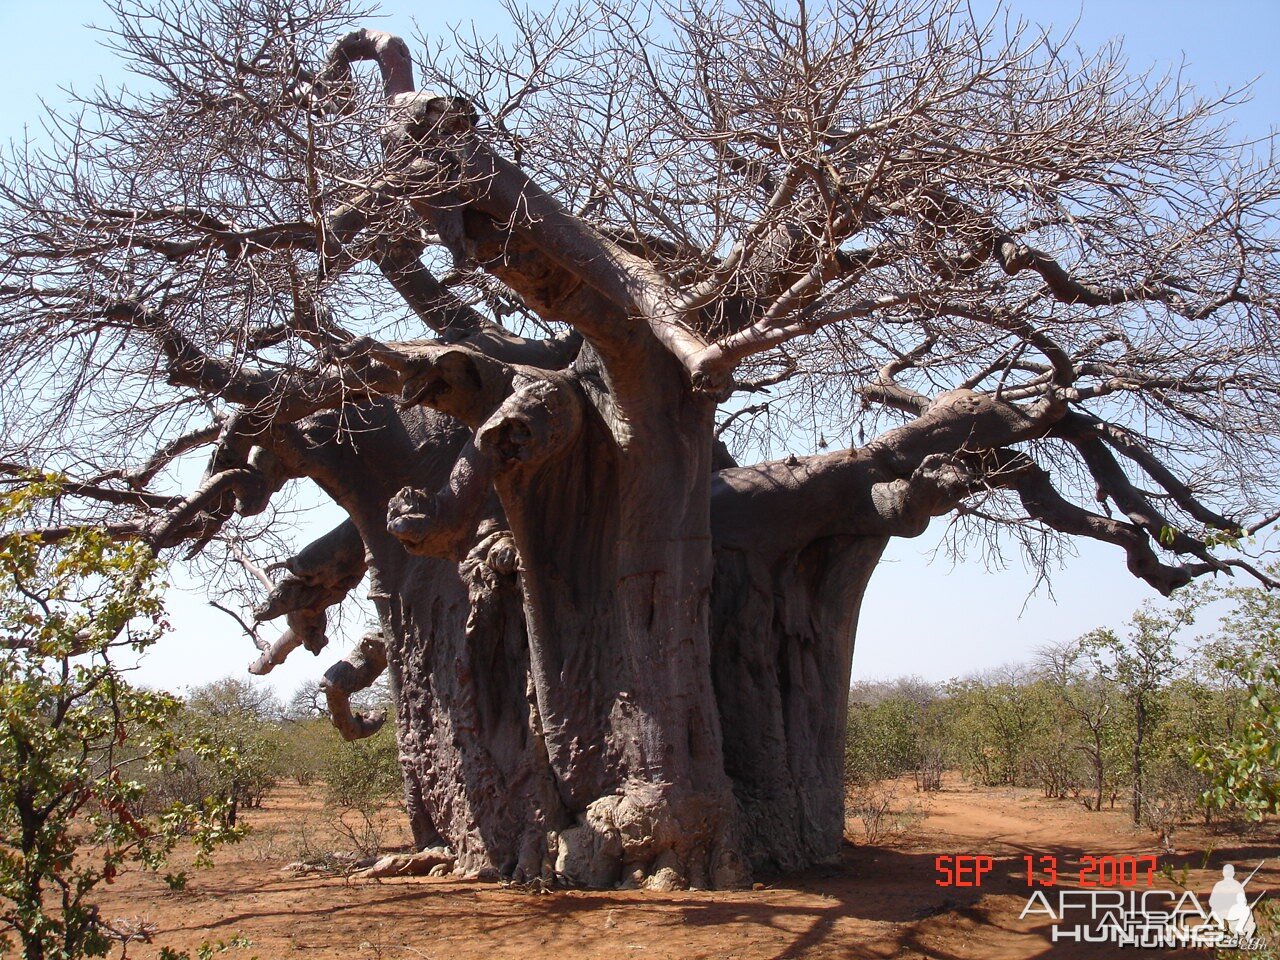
(784, 636)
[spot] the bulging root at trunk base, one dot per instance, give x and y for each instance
(434, 861)
(648, 838)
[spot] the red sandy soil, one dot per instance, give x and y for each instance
(880, 901)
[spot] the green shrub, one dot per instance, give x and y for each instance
(364, 774)
(233, 749)
(304, 748)
(75, 736)
(361, 779)
(895, 730)
(1242, 766)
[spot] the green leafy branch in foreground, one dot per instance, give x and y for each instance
(1243, 766)
(1244, 770)
(75, 736)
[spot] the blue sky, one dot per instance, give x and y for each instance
(930, 619)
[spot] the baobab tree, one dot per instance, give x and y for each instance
(519, 308)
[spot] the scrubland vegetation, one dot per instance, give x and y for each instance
(1152, 716)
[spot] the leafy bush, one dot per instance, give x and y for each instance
(363, 773)
(1179, 726)
(304, 748)
(233, 748)
(75, 735)
(998, 723)
(1172, 791)
(893, 731)
(361, 778)
(1243, 767)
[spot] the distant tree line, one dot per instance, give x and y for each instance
(1169, 724)
(270, 742)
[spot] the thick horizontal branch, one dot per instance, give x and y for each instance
(95, 491)
(289, 396)
(885, 388)
(890, 487)
(209, 504)
(454, 379)
(1014, 257)
(947, 212)
(141, 476)
(54, 533)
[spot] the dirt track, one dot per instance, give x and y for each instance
(880, 901)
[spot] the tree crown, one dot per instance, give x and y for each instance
(1044, 286)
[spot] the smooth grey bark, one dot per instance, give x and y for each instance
(783, 638)
(475, 771)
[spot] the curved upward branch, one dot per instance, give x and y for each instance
(447, 166)
(356, 672)
(388, 51)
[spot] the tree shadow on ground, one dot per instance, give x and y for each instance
(875, 902)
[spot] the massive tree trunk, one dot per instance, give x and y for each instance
(613, 665)
(596, 682)
(783, 636)
(616, 569)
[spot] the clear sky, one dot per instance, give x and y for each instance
(921, 616)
